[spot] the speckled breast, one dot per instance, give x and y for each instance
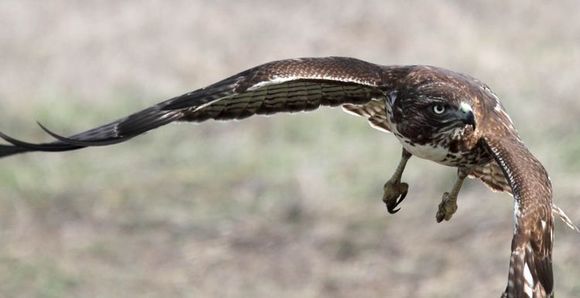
(446, 151)
(444, 147)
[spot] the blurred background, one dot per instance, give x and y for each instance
(287, 206)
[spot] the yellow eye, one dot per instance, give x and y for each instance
(438, 109)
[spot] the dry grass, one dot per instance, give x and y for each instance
(267, 207)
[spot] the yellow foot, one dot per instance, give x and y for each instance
(395, 193)
(447, 207)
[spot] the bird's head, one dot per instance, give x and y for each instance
(432, 103)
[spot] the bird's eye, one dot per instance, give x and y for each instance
(438, 108)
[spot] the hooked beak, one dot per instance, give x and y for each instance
(466, 114)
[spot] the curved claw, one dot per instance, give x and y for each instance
(395, 193)
(392, 210)
(392, 205)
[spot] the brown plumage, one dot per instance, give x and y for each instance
(436, 114)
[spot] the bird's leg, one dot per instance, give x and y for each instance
(395, 191)
(448, 204)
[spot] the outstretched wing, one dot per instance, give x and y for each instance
(280, 86)
(530, 271)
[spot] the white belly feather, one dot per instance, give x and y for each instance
(434, 153)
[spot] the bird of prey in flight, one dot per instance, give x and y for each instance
(436, 114)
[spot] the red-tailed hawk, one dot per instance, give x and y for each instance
(436, 114)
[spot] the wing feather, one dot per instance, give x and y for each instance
(530, 273)
(374, 111)
(280, 86)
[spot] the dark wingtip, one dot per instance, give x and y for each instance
(21, 146)
(7, 150)
(18, 143)
(79, 143)
(57, 136)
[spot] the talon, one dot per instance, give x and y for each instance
(447, 207)
(395, 193)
